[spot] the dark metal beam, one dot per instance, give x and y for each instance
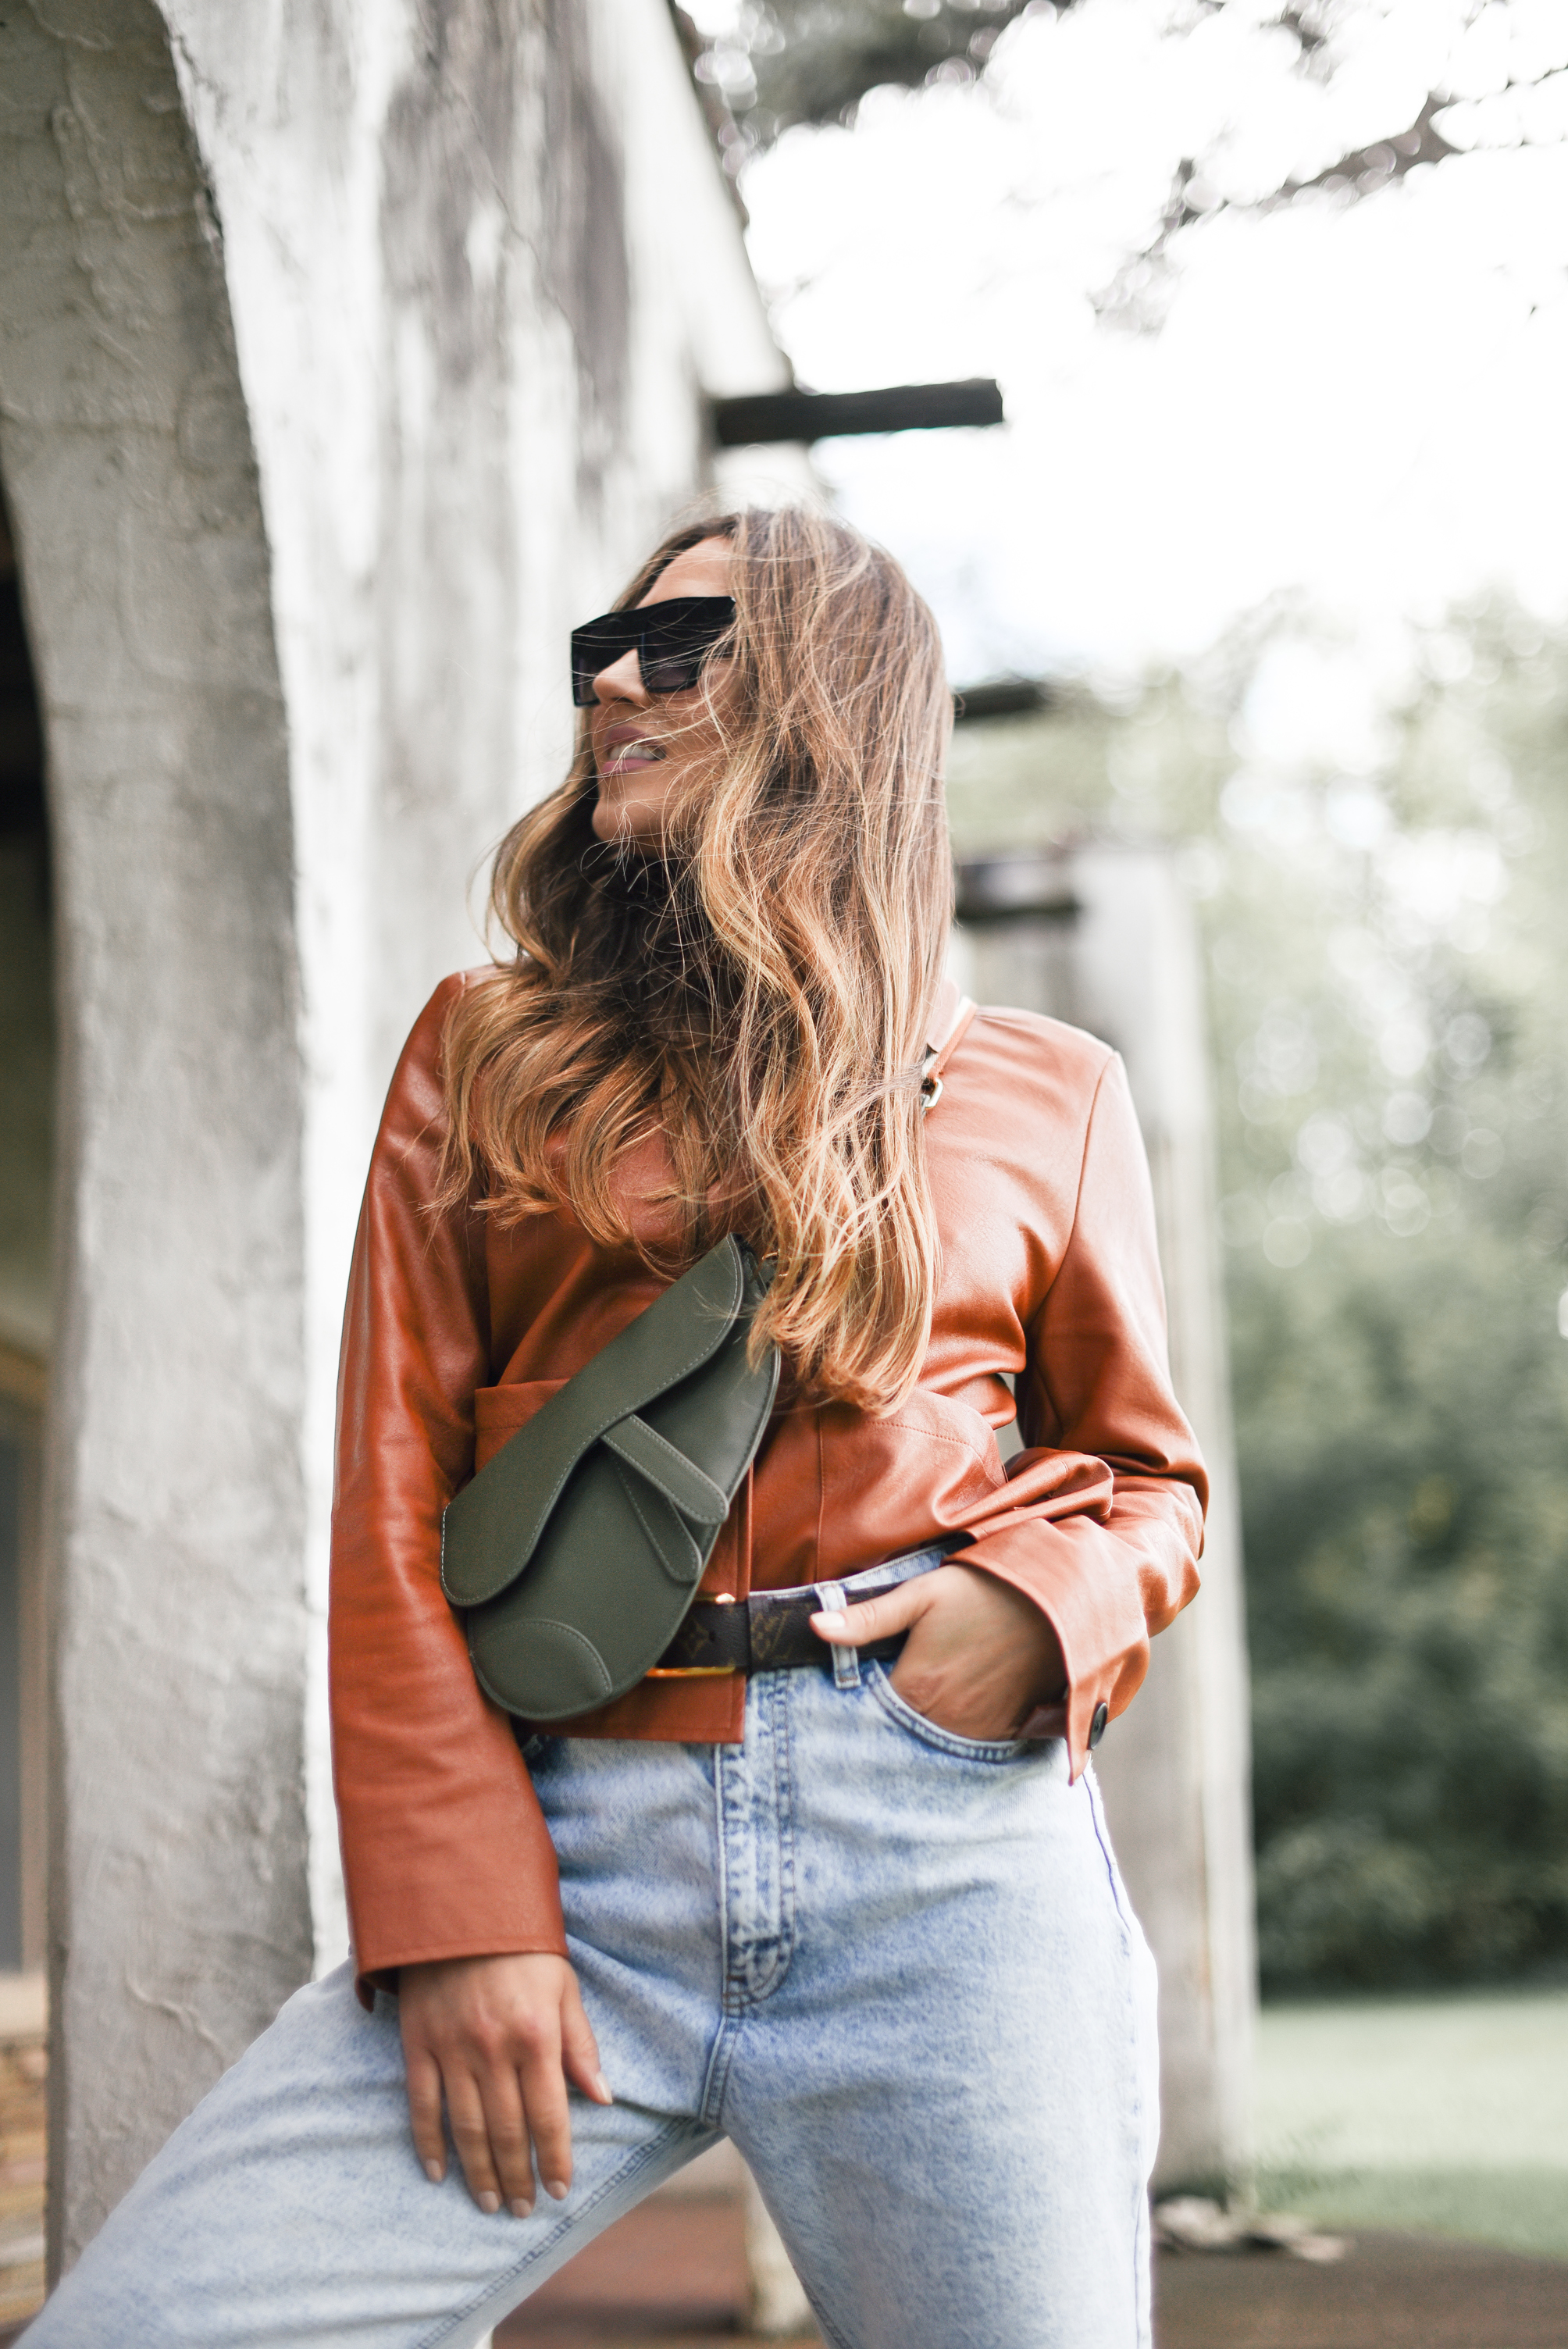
(1031, 886)
(1001, 696)
(824, 415)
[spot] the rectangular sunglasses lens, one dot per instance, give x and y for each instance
(673, 639)
(677, 636)
(597, 645)
(665, 672)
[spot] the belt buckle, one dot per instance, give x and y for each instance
(691, 1671)
(697, 1671)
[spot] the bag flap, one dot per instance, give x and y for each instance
(488, 1532)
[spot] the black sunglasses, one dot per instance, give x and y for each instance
(671, 640)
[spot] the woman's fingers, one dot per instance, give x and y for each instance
(425, 2111)
(544, 2096)
(499, 2036)
(579, 2049)
(980, 1658)
(471, 2134)
(875, 1619)
(511, 2158)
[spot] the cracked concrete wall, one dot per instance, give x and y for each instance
(350, 350)
(483, 266)
(178, 1895)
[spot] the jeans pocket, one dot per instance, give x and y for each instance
(989, 1750)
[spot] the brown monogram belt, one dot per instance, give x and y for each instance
(763, 1633)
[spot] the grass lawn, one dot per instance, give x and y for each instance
(1448, 2115)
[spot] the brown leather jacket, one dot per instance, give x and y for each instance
(456, 1331)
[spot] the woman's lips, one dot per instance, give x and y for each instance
(627, 754)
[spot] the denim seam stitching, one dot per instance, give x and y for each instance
(834, 2340)
(715, 2078)
(715, 2085)
(784, 1817)
(754, 1990)
(1102, 1838)
(1136, 2101)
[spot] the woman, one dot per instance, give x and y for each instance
(854, 1906)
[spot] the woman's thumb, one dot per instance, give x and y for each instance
(873, 1619)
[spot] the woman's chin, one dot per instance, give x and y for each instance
(625, 825)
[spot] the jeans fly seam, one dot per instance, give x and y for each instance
(784, 1780)
(721, 1874)
(774, 1690)
(640, 2160)
(710, 2103)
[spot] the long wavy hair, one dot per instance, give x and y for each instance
(760, 992)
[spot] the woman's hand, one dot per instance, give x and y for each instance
(499, 2038)
(981, 1659)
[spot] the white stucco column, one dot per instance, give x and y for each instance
(1104, 937)
(178, 1918)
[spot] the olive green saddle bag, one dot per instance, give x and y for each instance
(578, 1548)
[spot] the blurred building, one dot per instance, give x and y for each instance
(1103, 936)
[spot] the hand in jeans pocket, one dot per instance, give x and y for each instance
(980, 1661)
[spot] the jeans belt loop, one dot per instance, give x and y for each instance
(846, 1661)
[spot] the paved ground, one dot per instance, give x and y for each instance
(672, 2276)
(1393, 2292)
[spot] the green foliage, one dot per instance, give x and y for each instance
(1401, 1422)
(789, 61)
(1389, 989)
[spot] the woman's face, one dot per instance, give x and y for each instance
(648, 745)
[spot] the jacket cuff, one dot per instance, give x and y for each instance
(368, 1980)
(473, 1879)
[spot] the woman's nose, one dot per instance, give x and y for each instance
(621, 682)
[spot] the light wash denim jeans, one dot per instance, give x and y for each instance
(896, 1966)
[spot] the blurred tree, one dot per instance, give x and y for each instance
(764, 66)
(781, 62)
(1382, 897)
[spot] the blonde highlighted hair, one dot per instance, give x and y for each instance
(760, 994)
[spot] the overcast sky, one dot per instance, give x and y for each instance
(1361, 401)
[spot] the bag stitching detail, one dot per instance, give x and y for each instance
(653, 1436)
(683, 1581)
(548, 1623)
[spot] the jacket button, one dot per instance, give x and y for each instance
(1096, 1726)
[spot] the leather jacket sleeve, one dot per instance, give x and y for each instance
(444, 1850)
(1117, 1563)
